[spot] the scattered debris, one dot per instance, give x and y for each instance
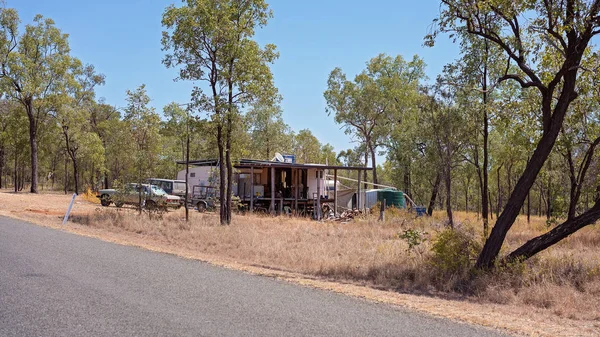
(344, 216)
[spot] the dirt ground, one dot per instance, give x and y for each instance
(48, 210)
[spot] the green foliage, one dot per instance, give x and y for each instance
(212, 41)
(369, 106)
(36, 71)
(307, 147)
(454, 252)
(144, 126)
(413, 238)
(268, 132)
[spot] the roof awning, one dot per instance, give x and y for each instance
(248, 163)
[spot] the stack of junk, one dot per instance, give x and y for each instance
(347, 200)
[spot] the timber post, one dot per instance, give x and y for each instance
(382, 211)
(272, 207)
(297, 191)
(335, 197)
(358, 192)
(318, 207)
(251, 189)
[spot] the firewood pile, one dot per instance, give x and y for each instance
(345, 215)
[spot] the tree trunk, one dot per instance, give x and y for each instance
(373, 163)
(16, 170)
(577, 180)
(549, 191)
(486, 190)
(434, 193)
(66, 182)
(140, 188)
(22, 178)
(557, 234)
(222, 182)
(529, 207)
(539, 210)
(76, 175)
(365, 171)
(187, 166)
(33, 145)
(572, 193)
(229, 168)
(448, 180)
(229, 130)
(509, 175)
(407, 180)
(467, 197)
(72, 152)
(491, 206)
(499, 192)
(2, 166)
(552, 126)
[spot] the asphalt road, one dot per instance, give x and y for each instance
(59, 284)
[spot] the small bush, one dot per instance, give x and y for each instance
(454, 251)
(413, 238)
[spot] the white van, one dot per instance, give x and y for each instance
(172, 187)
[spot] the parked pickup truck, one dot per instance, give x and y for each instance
(152, 196)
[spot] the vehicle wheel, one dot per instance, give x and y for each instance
(151, 205)
(119, 204)
(201, 207)
(105, 200)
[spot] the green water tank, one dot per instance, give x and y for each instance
(392, 198)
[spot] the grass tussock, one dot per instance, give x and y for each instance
(404, 253)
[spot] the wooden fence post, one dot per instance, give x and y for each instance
(382, 211)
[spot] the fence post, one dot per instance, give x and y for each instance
(280, 206)
(382, 211)
(66, 218)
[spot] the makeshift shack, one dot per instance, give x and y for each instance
(280, 185)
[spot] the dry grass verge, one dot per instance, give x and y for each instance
(557, 293)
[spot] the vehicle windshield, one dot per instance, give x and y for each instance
(158, 191)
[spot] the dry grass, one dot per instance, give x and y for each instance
(561, 285)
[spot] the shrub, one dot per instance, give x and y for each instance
(413, 238)
(454, 251)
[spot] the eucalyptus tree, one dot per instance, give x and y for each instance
(144, 127)
(475, 74)
(413, 155)
(268, 131)
(528, 32)
(74, 114)
(118, 148)
(212, 41)
(16, 142)
(179, 126)
(105, 121)
(369, 106)
(358, 156)
(580, 138)
(445, 124)
(5, 111)
(34, 69)
(349, 157)
(307, 147)
(328, 155)
(176, 127)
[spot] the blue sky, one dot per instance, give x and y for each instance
(121, 38)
